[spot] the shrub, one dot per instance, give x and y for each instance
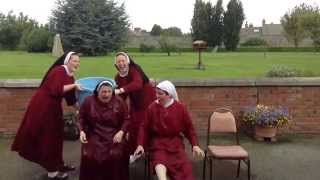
(146, 48)
(283, 71)
(38, 40)
(254, 42)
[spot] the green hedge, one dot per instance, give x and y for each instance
(241, 49)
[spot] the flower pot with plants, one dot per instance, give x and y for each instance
(265, 120)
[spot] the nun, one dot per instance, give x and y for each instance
(162, 135)
(103, 123)
(40, 136)
(135, 88)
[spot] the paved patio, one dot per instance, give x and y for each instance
(293, 157)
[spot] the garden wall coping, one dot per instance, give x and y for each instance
(254, 82)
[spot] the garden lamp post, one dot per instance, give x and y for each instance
(199, 45)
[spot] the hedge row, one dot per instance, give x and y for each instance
(241, 49)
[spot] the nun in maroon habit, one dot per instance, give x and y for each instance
(103, 121)
(40, 136)
(162, 133)
(134, 86)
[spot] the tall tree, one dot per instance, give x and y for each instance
(232, 20)
(312, 24)
(200, 21)
(216, 25)
(310, 19)
(156, 30)
(292, 24)
(13, 27)
(92, 27)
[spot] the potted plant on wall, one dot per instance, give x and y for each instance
(265, 120)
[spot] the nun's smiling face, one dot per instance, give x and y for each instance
(122, 63)
(74, 63)
(105, 94)
(162, 96)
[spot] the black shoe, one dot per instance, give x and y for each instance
(66, 168)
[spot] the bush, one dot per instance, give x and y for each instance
(254, 42)
(282, 71)
(146, 48)
(38, 40)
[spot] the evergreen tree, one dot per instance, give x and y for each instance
(156, 30)
(92, 27)
(216, 25)
(233, 19)
(200, 21)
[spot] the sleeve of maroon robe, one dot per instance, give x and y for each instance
(126, 117)
(136, 81)
(120, 84)
(70, 97)
(189, 130)
(82, 122)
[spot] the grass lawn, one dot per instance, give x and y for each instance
(23, 65)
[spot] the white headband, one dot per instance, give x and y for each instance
(169, 88)
(105, 82)
(67, 58)
(123, 54)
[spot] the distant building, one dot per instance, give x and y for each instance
(139, 31)
(271, 33)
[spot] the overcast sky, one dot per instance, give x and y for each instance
(166, 13)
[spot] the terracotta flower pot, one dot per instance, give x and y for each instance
(261, 132)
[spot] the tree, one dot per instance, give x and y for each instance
(216, 25)
(92, 27)
(232, 20)
(314, 29)
(200, 20)
(311, 23)
(156, 30)
(38, 40)
(166, 45)
(292, 23)
(12, 29)
(172, 31)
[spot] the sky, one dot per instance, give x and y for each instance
(166, 13)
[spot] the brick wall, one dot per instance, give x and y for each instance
(301, 96)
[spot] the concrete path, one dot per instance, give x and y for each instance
(293, 157)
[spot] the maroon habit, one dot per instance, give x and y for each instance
(140, 95)
(162, 133)
(101, 158)
(40, 136)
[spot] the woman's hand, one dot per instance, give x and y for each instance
(83, 137)
(197, 152)
(139, 151)
(77, 87)
(118, 137)
(118, 91)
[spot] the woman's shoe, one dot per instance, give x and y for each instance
(63, 176)
(67, 167)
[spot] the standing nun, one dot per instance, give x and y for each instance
(162, 132)
(40, 136)
(134, 86)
